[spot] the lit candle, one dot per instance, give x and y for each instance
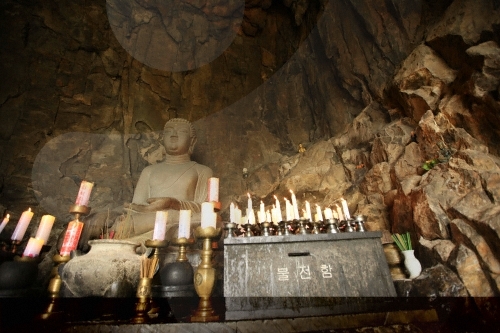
(308, 211)
(289, 210)
(346, 209)
(82, 199)
(295, 206)
(274, 214)
(262, 213)
(71, 237)
(319, 215)
(237, 215)
(4, 222)
(160, 225)
(22, 225)
(251, 217)
(207, 215)
(33, 247)
(328, 213)
(335, 215)
(278, 210)
(184, 224)
(339, 212)
(213, 189)
(231, 213)
(268, 216)
(45, 227)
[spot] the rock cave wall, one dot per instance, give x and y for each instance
(372, 91)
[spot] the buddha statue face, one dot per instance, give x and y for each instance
(178, 138)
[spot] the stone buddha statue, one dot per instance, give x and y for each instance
(174, 184)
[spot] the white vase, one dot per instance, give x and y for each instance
(412, 264)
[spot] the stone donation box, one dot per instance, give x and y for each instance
(313, 265)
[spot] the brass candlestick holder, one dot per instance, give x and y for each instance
(54, 285)
(156, 245)
(78, 211)
(182, 243)
(248, 229)
(143, 304)
(204, 279)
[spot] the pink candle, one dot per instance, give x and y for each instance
(33, 247)
(71, 237)
(160, 225)
(213, 189)
(45, 227)
(184, 224)
(82, 199)
(4, 222)
(22, 225)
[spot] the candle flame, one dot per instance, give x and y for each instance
(275, 197)
(291, 191)
(8, 216)
(29, 209)
(248, 194)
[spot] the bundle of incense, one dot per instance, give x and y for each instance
(148, 266)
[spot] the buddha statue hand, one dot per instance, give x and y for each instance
(156, 204)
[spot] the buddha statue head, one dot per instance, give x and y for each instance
(179, 137)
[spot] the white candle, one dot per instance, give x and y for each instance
(346, 209)
(262, 213)
(22, 225)
(82, 199)
(184, 224)
(160, 225)
(251, 217)
(213, 189)
(249, 203)
(278, 210)
(4, 222)
(33, 247)
(339, 212)
(268, 216)
(328, 213)
(319, 215)
(274, 215)
(207, 215)
(295, 206)
(289, 210)
(335, 215)
(231, 213)
(237, 215)
(71, 237)
(308, 211)
(45, 227)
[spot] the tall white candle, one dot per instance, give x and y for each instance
(335, 215)
(328, 213)
(4, 222)
(231, 213)
(237, 215)
(184, 224)
(82, 199)
(295, 206)
(160, 225)
(45, 227)
(289, 210)
(249, 203)
(207, 215)
(339, 212)
(262, 213)
(213, 189)
(251, 217)
(268, 216)
(346, 209)
(22, 225)
(308, 211)
(278, 209)
(319, 215)
(33, 247)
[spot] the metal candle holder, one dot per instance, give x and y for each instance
(266, 229)
(204, 279)
(302, 227)
(360, 220)
(144, 300)
(231, 229)
(248, 229)
(348, 226)
(316, 229)
(332, 227)
(156, 245)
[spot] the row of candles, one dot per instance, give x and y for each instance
(291, 210)
(35, 244)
